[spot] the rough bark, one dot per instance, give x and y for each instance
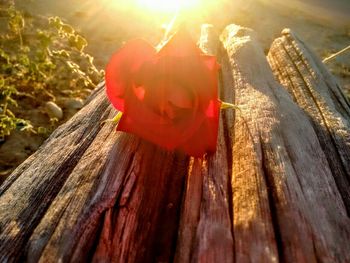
(272, 192)
(317, 92)
(205, 233)
(85, 183)
(280, 147)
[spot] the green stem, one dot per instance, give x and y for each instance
(226, 105)
(116, 119)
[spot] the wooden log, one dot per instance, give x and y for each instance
(268, 194)
(280, 174)
(85, 188)
(205, 233)
(317, 92)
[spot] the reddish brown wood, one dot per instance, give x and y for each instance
(205, 228)
(276, 190)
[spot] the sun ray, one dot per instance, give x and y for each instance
(168, 5)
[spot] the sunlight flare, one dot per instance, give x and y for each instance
(168, 5)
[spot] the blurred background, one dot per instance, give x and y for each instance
(63, 57)
(323, 24)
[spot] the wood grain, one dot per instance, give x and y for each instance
(205, 227)
(276, 190)
(317, 92)
(304, 202)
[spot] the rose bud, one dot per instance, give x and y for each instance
(167, 97)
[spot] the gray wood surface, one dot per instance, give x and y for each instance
(317, 92)
(276, 190)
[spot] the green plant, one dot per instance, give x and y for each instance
(40, 59)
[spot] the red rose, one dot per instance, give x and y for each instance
(167, 97)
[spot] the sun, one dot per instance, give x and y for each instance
(168, 5)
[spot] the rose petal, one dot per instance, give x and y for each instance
(143, 122)
(180, 45)
(204, 140)
(169, 97)
(192, 73)
(122, 66)
(179, 96)
(189, 79)
(211, 63)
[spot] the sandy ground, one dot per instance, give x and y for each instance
(323, 24)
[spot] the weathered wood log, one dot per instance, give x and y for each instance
(270, 193)
(319, 95)
(285, 158)
(205, 227)
(85, 188)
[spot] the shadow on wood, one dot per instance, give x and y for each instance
(276, 190)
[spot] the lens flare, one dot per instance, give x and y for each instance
(168, 5)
